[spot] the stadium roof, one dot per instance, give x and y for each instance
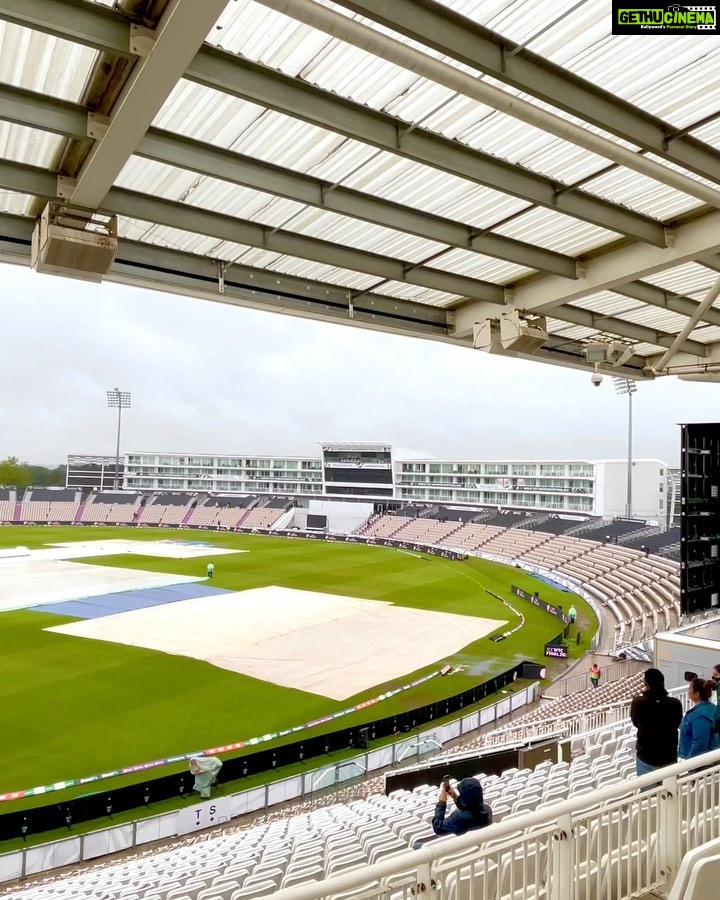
(499, 174)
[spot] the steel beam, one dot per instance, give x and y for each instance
(174, 271)
(622, 328)
(206, 159)
(270, 88)
(267, 87)
(179, 35)
(37, 111)
(697, 238)
(454, 35)
(655, 296)
(105, 29)
(711, 262)
(193, 219)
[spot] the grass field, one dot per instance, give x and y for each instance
(71, 707)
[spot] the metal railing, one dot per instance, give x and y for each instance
(616, 843)
(573, 684)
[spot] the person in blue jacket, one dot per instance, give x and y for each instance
(697, 729)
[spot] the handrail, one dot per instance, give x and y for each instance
(421, 861)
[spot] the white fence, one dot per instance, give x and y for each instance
(620, 842)
(33, 860)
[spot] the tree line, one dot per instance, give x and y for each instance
(14, 473)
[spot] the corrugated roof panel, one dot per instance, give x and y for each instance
(16, 204)
(556, 231)
(476, 265)
(709, 133)
(404, 181)
(660, 319)
(675, 86)
(149, 177)
(641, 193)
(176, 239)
(261, 33)
(39, 62)
(415, 292)
(367, 79)
(706, 334)
(30, 146)
(571, 332)
(208, 193)
(328, 226)
(688, 279)
(643, 349)
(607, 303)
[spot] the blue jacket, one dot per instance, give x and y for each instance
(697, 731)
(471, 812)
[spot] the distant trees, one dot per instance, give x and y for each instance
(21, 474)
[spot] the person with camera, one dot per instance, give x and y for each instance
(470, 811)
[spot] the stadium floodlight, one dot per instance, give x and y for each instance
(627, 386)
(120, 400)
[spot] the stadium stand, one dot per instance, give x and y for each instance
(640, 593)
(609, 532)
(614, 831)
(552, 524)
(261, 517)
(656, 543)
(7, 510)
(506, 519)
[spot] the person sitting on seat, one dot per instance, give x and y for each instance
(470, 811)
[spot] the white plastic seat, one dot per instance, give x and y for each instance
(690, 860)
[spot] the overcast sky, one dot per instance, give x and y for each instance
(220, 379)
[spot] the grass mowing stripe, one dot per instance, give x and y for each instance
(73, 706)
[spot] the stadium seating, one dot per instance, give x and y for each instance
(308, 847)
(641, 594)
(261, 517)
(7, 510)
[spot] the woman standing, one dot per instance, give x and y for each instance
(697, 730)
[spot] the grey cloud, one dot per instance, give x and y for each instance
(212, 377)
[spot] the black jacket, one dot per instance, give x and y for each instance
(657, 718)
(471, 812)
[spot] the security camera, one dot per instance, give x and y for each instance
(596, 379)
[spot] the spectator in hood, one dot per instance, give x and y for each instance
(657, 717)
(697, 732)
(470, 811)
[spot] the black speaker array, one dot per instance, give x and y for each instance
(700, 518)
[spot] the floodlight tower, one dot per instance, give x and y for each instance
(627, 386)
(120, 400)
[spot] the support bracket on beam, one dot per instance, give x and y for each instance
(97, 126)
(65, 187)
(142, 40)
(351, 308)
(222, 269)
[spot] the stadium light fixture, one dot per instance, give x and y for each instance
(626, 386)
(120, 400)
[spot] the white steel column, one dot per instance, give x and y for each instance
(178, 37)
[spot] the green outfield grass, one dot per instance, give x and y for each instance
(71, 707)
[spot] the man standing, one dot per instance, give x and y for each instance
(210, 569)
(572, 615)
(657, 717)
(595, 675)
